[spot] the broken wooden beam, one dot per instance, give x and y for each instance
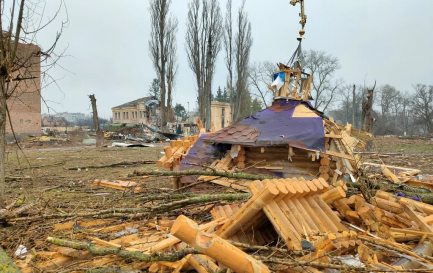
(215, 247)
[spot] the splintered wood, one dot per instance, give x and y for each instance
(293, 211)
(294, 208)
(176, 151)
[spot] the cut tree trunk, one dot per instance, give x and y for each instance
(99, 134)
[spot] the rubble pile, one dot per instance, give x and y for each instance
(287, 225)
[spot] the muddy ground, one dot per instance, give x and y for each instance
(54, 188)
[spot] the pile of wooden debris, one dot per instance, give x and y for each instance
(286, 225)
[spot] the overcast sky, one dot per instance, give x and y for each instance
(107, 52)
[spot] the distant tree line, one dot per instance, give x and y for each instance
(395, 112)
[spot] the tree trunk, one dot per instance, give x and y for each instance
(163, 55)
(2, 145)
(168, 109)
(99, 135)
(353, 106)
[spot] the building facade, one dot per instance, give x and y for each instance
(25, 85)
(221, 115)
(141, 111)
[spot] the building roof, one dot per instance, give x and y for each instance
(291, 122)
(134, 103)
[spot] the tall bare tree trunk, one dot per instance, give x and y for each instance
(203, 43)
(2, 142)
(354, 106)
(163, 62)
(99, 135)
(229, 52)
(161, 46)
(243, 43)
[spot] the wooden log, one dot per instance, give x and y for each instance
(418, 205)
(171, 241)
(333, 195)
(410, 231)
(168, 152)
(216, 247)
(419, 220)
(388, 205)
(282, 225)
(325, 161)
(329, 214)
(253, 206)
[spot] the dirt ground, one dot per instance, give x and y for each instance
(50, 184)
(411, 153)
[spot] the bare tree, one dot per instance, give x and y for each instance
(388, 96)
(260, 76)
(243, 43)
(322, 66)
(229, 46)
(346, 98)
(203, 43)
(171, 67)
(163, 51)
(422, 104)
(20, 61)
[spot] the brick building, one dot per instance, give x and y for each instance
(25, 103)
(141, 111)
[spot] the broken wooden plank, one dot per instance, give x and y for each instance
(215, 247)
